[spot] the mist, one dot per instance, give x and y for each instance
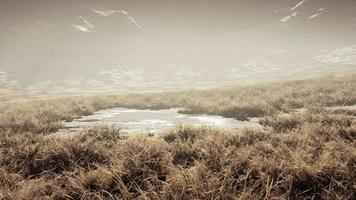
(149, 45)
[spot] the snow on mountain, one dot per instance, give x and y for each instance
(123, 77)
(5, 81)
(298, 5)
(286, 19)
(261, 66)
(344, 56)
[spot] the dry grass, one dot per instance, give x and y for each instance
(314, 160)
(236, 102)
(309, 155)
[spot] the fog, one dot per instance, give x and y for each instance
(157, 44)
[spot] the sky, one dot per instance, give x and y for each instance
(139, 40)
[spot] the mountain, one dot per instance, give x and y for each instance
(138, 43)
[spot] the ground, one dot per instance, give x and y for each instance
(305, 151)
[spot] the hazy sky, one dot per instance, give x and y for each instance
(67, 39)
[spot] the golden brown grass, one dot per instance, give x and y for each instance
(240, 102)
(302, 155)
(314, 160)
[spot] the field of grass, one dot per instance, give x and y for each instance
(298, 155)
(240, 102)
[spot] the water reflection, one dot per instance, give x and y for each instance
(154, 121)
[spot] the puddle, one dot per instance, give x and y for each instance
(152, 121)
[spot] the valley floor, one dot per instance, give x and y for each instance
(297, 155)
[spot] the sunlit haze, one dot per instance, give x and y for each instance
(158, 44)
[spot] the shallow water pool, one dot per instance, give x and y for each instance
(153, 121)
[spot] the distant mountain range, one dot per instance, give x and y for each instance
(135, 44)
